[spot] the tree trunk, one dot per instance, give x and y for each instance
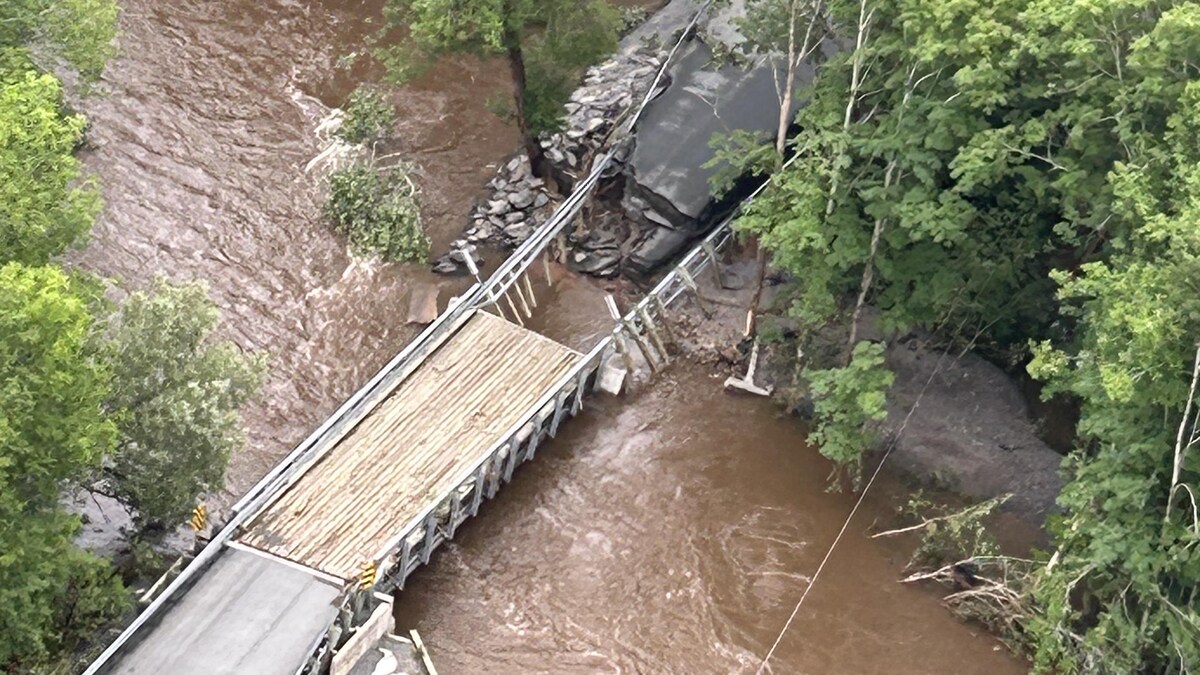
(516, 66)
(868, 273)
(785, 105)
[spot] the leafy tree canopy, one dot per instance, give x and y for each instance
(1025, 170)
(44, 205)
(176, 393)
(560, 37)
(81, 32)
(52, 431)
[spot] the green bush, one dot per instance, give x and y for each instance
(377, 210)
(369, 117)
(848, 405)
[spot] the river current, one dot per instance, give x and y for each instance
(671, 533)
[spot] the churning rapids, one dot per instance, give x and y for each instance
(670, 533)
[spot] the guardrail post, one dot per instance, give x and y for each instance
(513, 307)
(580, 386)
(649, 324)
(405, 559)
(480, 475)
(531, 447)
(455, 512)
(716, 263)
(511, 463)
(662, 315)
(529, 289)
(558, 411)
(521, 296)
(494, 475)
(691, 283)
(641, 344)
(430, 531)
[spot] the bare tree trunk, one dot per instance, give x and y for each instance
(868, 273)
(794, 57)
(516, 66)
(864, 23)
(785, 105)
(1181, 447)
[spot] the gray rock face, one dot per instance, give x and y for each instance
(518, 232)
(609, 90)
(521, 199)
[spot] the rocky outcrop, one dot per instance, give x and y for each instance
(517, 202)
(610, 92)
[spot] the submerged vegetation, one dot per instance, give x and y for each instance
(377, 210)
(368, 117)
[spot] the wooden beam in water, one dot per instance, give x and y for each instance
(513, 307)
(521, 296)
(529, 289)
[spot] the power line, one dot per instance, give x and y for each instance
(861, 497)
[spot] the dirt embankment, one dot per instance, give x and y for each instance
(959, 423)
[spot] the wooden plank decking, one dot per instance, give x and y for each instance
(410, 448)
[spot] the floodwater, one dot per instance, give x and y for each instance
(673, 532)
(667, 534)
(200, 138)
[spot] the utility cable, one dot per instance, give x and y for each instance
(861, 497)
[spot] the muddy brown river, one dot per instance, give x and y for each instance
(670, 533)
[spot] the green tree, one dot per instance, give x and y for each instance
(52, 432)
(44, 205)
(176, 394)
(1129, 541)
(848, 404)
(572, 32)
(81, 32)
(957, 161)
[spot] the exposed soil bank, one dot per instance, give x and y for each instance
(959, 423)
(969, 430)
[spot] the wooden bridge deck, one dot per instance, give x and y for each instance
(410, 448)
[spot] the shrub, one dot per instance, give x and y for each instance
(369, 117)
(377, 210)
(849, 403)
